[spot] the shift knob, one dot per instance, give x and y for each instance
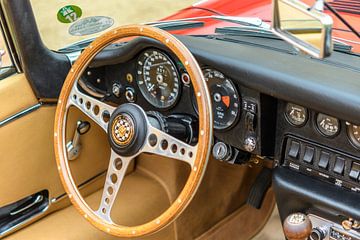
(297, 226)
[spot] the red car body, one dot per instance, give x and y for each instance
(349, 9)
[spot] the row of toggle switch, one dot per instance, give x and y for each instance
(310, 156)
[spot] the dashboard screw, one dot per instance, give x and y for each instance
(129, 77)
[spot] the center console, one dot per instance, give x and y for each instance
(317, 172)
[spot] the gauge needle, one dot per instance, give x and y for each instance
(157, 64)
(151, 88)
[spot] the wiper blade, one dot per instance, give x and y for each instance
(265, 33)
(177, 25)
(247, 31)
(77, 46)
(244, 21)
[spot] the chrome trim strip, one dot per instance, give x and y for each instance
(19, 114)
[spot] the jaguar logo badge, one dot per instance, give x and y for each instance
(122, 130)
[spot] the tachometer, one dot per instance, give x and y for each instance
(225, 99)
(158, 78)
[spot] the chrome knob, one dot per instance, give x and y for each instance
(130, 95)
(250, 144)
(318, 234)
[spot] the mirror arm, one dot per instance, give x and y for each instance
(318, 5)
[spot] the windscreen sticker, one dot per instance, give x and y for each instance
(90, 25)
(69, 14)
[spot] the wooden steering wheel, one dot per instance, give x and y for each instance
(130, 134)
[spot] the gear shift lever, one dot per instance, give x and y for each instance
(297, 226)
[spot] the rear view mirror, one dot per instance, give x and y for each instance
(302, 26)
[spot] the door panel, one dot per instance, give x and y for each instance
(27, 159)
(15, 95)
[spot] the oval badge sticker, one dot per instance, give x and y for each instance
(69, 14)
(90, 25)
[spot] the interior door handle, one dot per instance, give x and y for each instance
(73, 147)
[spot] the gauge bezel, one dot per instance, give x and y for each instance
(352, 139)
(319, 130)
(233, 124)
(141, 76)
(288, 118)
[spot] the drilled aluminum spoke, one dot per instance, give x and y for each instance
(161, 143)
(114, 178)
(93, 108)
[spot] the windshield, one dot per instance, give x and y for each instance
(62, 23)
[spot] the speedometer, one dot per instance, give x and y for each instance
(158, 78)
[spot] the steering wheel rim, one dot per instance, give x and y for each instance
(199, 158)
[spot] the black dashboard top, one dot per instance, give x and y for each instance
(330, 86)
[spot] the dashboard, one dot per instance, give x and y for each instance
(303, 120)
(156, 80)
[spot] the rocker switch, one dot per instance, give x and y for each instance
(294, 149)
(309, 154)
(339, 165)
(324, 160)
(355, 171)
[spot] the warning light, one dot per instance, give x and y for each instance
(226, 100)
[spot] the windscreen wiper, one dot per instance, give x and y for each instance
(266, 33)
(244, 21)
(247, 31)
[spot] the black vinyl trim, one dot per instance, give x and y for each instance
(296, 192)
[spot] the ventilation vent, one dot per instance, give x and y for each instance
(349, 6)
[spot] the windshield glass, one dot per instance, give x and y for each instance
(64, 22)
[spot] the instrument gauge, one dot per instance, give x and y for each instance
(354, 134)
(327, 125)
(225, 99)
(158, 79)
(296, 115)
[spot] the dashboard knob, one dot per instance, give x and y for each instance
(250, 143)
(297, 226)
(130, 95)
(318, 234)
(221, 151)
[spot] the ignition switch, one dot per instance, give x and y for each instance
(222, 151)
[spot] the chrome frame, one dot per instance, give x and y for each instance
(20, 114)
(9, 42)
(326, 30)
